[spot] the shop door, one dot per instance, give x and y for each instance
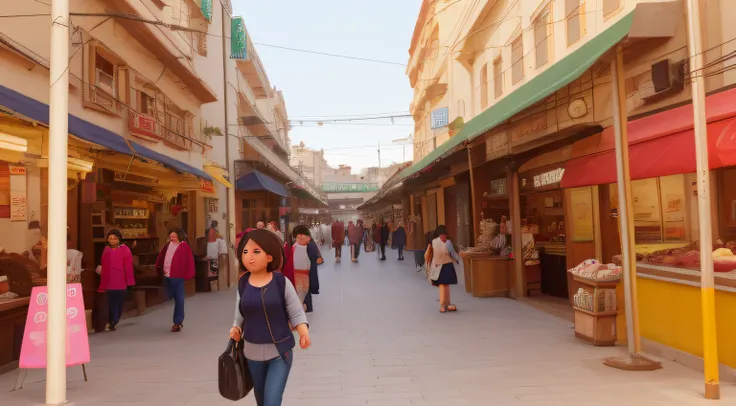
(452, 216)
(463, 236)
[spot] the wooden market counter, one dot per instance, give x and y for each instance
(12, 323)
(486, 275)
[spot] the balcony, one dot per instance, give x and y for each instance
(247, 60)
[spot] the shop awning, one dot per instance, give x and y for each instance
(543, 85)
(304, 194)
(256, 180)
(659, 145)
(669, 155)
(218, 174)
(87, 131)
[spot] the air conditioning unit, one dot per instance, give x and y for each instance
(666, 78)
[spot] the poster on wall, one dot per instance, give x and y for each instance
(582, 215)
(18, 197)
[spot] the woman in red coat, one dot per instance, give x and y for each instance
(176, 261)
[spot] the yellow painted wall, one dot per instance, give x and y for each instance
(669, 314)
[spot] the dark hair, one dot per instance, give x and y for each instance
(301, 230)
(34, 224)
(180, 234)
(116, 233)
(269, 242)
(441, 229)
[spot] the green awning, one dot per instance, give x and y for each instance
(206, 7)
(543, 85)
(238, 44)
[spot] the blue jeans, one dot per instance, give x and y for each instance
(175, 290)
(269, 379)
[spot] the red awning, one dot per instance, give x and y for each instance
(669, 155)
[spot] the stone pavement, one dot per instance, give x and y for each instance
(378, 339)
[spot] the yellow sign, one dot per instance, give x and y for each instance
(581, 202)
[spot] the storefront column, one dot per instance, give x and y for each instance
(473, 209)
(707, 283)
(515, 203)
(58, 145)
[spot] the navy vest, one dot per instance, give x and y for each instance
(265, 318)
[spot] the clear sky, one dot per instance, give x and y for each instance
(317, 86)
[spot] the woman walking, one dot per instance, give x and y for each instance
(266, 307)
(116, 275)
(442, 273)
(176, 261)
(399, 240)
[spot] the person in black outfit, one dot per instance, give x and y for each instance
(400, 240)
(384, 240)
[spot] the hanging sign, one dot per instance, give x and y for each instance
(17, 170)
(440, 117)
(541, 179)
(33, 349)
(498, 187)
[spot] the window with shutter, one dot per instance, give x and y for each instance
(517, 60)
(484, 86)
(574, 20)
(542, 37)
(497, 78)
(106, 85)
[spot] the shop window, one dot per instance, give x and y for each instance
(542, 37)
(497, 78)
(517, 60)
(611, 6)
(665, 212)
(106, 80)
(484, 86)
(574, 16)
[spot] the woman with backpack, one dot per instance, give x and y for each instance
(266, 309)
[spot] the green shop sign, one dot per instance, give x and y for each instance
(237, 39)
(349, 187)
(206, 8)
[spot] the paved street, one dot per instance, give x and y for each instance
(378, 339)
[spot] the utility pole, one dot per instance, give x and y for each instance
(230, 204)
(707, 284)
(57, 196)
(379, 158)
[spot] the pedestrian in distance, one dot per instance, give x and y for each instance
(266, 308)
(176, 261)
(441, 258)
(338, 239)
(116, 275)
(306, 257)
(400, 240)
(384, 239)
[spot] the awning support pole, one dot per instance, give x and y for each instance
(620, 122)
(57, 211)
(707, 283)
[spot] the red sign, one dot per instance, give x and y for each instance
(33, 349)
(17, 170)
(142, 126)
(207, 186)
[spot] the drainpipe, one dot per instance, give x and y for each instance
(228, 162)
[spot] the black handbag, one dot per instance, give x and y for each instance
(233, 375)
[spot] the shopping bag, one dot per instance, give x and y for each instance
(233, 375)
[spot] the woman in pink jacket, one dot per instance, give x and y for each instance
(176, 261)
(116, 272)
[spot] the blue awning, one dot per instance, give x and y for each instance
(172, 163)
(87, 131)
(258, 181)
